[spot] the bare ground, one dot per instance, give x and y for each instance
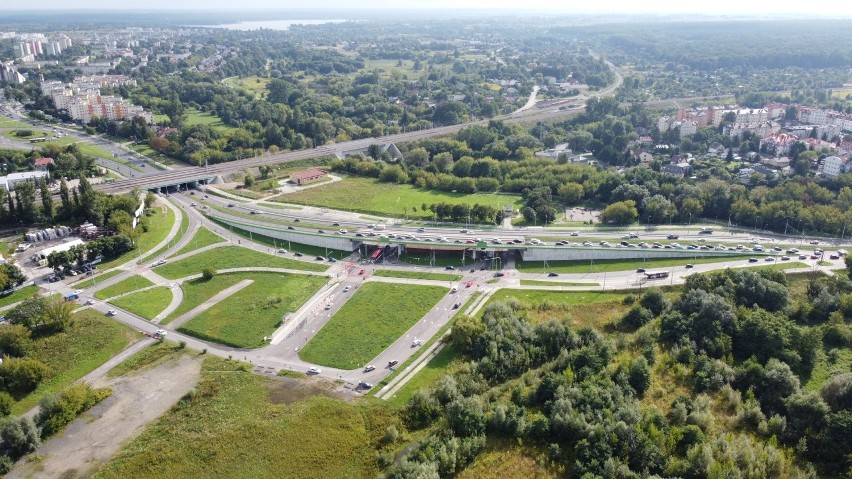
(93, 438)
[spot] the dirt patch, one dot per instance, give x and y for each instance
(284, 390)
(94, 437)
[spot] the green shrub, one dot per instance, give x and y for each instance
(58, 410)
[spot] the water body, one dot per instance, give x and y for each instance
(271, 24)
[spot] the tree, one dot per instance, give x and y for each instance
(465, 331)
(466, 417)
(248, 181)
(571, 193)
(658, 209)
(15, 340)
(65, 198)
(639, 376)
(837, 392)
(620, 213)
(637, 317)
(25, 199)
(848, 261)
(654, 300)
(58, 315)
(207, 273)
(46, 200)
(18, 436)
(22, 375)
(29, 312)
(6, 402)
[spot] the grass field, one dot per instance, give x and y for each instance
(182, 229)
(584, 308)
(97, 279)
(195, 117)
(395, 273)
(533, 282)
(18, 295)
(158, 230)
(507, 461)
(6, 122)
(243, 319)
(367, 195)
(240, 425)
(125, 286)
(72, 354)
(254, 84)
(231, 257)
(146, 304)
(373, 318)
(610, 265)
(203, 237)
(198, 290)
(149, 357)
(445, 362)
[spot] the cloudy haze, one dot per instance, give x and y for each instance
(733, 7)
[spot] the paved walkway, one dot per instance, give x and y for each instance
(217, 298)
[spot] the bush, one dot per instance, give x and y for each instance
(636, 317)
(207, 273)
(18, 436)
(20, 376)
(837, 392)
(58, 410)
(639, 376)
(6, 464)
(15, 340)
(655, 301)
(6, 402)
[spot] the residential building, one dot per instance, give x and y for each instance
(675, 170)
(10, 74)
(817, 131)
(555, 152)
(9, 181)
(763, 128)
(835, 165)
(688, 128)
(776, 162)
(646, 157)
(43, 164)
(716, 149)
(663, 124)
(778, 143)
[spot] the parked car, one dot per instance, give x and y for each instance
(640, 270)
(298, 254)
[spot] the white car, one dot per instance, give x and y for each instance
(416, 343)
(346, 289)
(111, 312)
(314, 371)
(282, 251)
(369, 368)
(841, 252)
(90, 302)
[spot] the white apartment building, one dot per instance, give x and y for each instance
(688, 128)
(834, 165)
(744, 116)
(83, 100)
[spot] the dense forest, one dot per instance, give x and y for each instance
(735, 347)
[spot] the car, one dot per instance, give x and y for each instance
(321, 231)
(814, 256)
(457, 306)
(392, 362)
(768, 259)
(298, 254)
(230, 205)
(360, 235)
(421, 230)
(785, 258)
(332, 260)
(346, 289)
(206, 196)
(801, 256)
(552, 275)
(463, 231)
(296, 220)
(72, 272)
(706, 231)
(640, 270)
(160, 333)
(328, 306)
(450, 267)
(290, 228)
(90, 302)
(320, 258)
(193, 204)
(587, 243)
(282, 251)
(813, 242)
(52, 279)
(361, 273)
(254, 212)
(834, 256)
(111, 312)
(499, 274)
(689, 266)
(575, 233)
(365, 385)
(369, 368)
(416, 343)
(335, 224)
(314, 370)
(752, 260)
(792, 251)
(778, 249)
(672, 237)
(841, 252)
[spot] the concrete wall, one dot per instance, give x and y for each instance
(331, 241)
(588, 253)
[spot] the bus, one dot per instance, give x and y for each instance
(376, 255)
(657, 275)
(38, 140)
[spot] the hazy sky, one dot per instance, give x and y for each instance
(733, 7)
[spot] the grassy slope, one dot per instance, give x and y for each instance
(72, 354)
(394, 273)
(610, 265)
(376, 316)
(585, 308)
(288, 245)
(158, 230)
(203, 237)
(18, 295)
(231, 257)
(370, 196)
(229, 429)
(125, 286)
(146, 304)
(99, 278)
(243, 319)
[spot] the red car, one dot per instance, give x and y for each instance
(361, 272)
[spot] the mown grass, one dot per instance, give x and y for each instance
(584, 308)
(74, 353)
(231, 257)
(373, 318)
(197, 291)
(394, 273)
(124, 286)
(533, 282)
(610, 265)
(203, 237)
(230, 429)
(159, 225)
(146, 304)
(243, 319)
(97, 279)
(18, 295)
(182, 229)
(6, 122)
(367, 195)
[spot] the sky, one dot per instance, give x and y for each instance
(732, 7)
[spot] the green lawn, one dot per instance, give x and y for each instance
(97, 279)
(6, 122)
(368, 195)
(18, 295)
(159, 226)
(443, 363)
(232, 257)
(146, 304)
(72, 354)
(394, 273)
(124, 286)
(610, 265)
(195, 117)
(182, 229)
(203, 237)
(197, 291)
(243, 319)
(254, 84)
(583, 308)
(532, 282)
(240, 425)
(373, 318)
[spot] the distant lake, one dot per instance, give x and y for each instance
(270, 24)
